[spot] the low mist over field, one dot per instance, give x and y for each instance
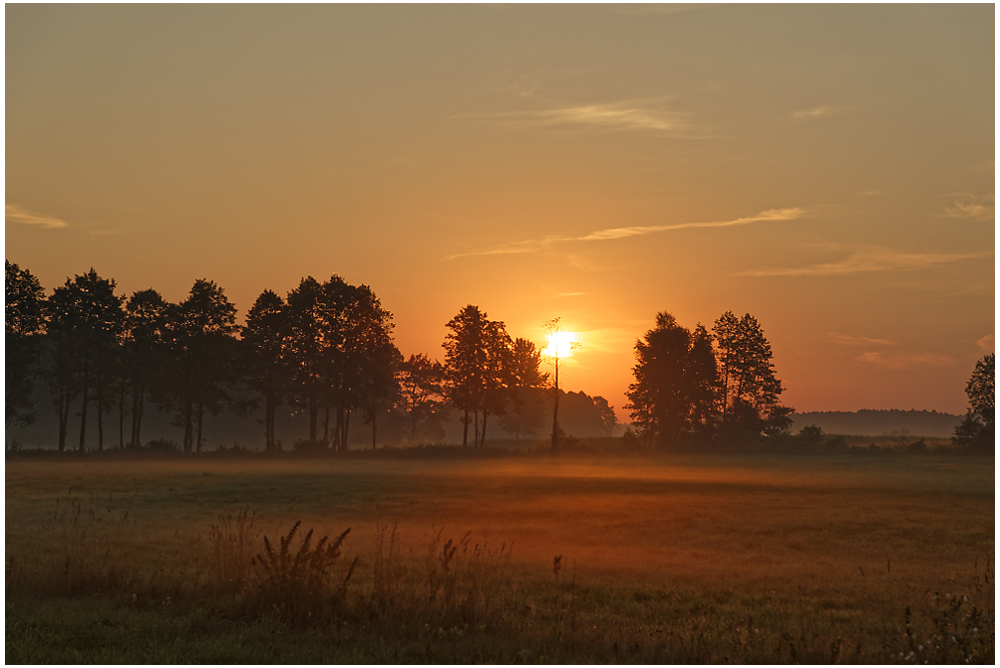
(534, 334)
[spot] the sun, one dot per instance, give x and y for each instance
(560, 344)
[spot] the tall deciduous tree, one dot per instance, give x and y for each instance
(24, 324)
(525, 411)
(673, 395)
(422, 397)
(370, 361)
(465, 358)
(751, 391)
(477, 367)
(303, 348)
(146, 352)
(201, 332)
(496, 373)
(262, 342)
(978, 429)
(85, 322)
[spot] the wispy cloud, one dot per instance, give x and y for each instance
(610, 233)
(868, 260)
(971, 206)
(628, 115)
(514, 247)
(21, 216)
(621, 232)
(821, 111)
(855, 340)
(904, 361)
(987, 343)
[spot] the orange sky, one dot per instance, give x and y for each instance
(828, 169)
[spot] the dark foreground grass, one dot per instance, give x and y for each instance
(664, 560)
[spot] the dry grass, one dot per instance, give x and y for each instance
(770, 559)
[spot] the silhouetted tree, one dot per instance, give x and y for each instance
(751, 391)
(673, 394)
(583, 414)
(362, 359)
(343, 332)
(422, 397)
(379, 387)
(146, 353)
(85, 319)
(525, 408)
(333, 332)
(465, 359)
(496, 375)
(304, 347)
(24, 324)
(370, 360)
(978, 429)
(201, 335)
(703, 374)
(267, 374)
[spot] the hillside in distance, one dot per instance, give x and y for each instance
(869, 422)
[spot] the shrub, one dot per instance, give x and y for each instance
(162, 445)
(305, 445)
(301, 588)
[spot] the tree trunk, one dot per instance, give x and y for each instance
(100, 407)
(482, 441)
(347, 427)
(313, 409)
(201, 419)
(465, 429)
(326, 421)
(373, 431)
(268, 422)
(63, 409)
(121, 414)
(142, 412)
(83, 411)
(188, 427)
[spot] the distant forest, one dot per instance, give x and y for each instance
(880, 422)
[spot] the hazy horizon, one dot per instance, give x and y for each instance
(828, 169)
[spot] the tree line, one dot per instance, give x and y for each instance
(324, 351)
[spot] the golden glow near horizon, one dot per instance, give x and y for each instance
(833, 181)
(560, 344)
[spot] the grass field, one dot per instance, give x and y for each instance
(819, 559)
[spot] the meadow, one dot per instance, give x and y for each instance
(519, 558)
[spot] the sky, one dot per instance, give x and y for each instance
(828, 169)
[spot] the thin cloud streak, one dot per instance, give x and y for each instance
(815, 112)
(855, 340)
(607, 234)
(21, 216)
(904, 361)
(868, 260)
(622, 232)
(628, 115)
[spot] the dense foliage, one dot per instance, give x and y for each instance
(978, 429)
(325, 351)
(697, 387)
